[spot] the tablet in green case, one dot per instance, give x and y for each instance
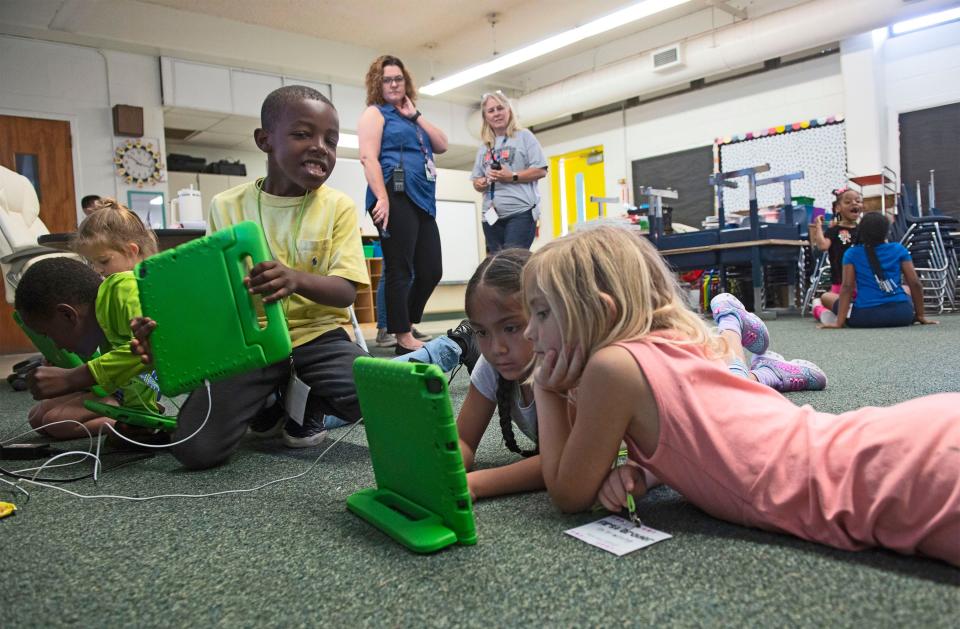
(421, 499)
(133, 416)
(207, 326)
(54, 355)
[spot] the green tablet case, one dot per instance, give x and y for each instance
(421, 499)
(133, 416)
(55, 356)
(207, 326)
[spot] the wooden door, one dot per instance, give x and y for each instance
(41, 150)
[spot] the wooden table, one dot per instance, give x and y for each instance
(167, 238)
(769, 242)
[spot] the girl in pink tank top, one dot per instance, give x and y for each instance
(621, 358)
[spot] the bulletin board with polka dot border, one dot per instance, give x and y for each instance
(817, 147)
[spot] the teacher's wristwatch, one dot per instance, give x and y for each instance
(516, 178)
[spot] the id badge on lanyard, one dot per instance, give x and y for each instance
(295, 399)
(429, 168)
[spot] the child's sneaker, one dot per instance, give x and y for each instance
(781, 375)
(753, 331)
(310, 434)
(827, 317)
(268, 422)
(465, 337)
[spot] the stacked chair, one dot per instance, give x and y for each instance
(934, 252)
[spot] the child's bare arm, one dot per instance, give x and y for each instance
(275, 281)
(576, 456)
(472, 422)
(49, 382)
(521, 476)
(916, 292)
(817, 237)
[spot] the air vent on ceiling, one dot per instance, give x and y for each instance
(666, 58)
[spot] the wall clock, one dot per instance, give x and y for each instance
(138, 162)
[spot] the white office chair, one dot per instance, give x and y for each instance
(20, 225)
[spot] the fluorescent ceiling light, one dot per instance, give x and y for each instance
(632, 13)
(348, 141)
(924, 21)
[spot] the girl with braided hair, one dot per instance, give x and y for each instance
(874, 267)
(500, 379)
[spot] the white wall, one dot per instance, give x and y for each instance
(920, 70)
(809, 90)
(871, 83)
(452, 185)
(64, 82)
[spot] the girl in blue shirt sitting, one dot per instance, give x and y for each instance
(874, 267)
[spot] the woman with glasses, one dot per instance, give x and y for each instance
(509, 163)
(396, 149)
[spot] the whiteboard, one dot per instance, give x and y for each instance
(347, 177)
(820, 152)
(457, 220)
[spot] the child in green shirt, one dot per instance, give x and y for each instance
(113, 239)
(80, 311)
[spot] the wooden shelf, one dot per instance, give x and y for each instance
(365, 305)
(871, 180)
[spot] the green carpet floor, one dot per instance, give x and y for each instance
(291, 555)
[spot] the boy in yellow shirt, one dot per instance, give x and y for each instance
(314, 238)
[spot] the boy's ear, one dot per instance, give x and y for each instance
(133, 249)
(68, 312)
(262, 138)
(610, 305)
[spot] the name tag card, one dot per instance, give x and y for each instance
(617, 535)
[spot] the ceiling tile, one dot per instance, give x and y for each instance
(208, 138)
(239, 125)
(180, 119)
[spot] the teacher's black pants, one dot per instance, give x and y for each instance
(413, 262)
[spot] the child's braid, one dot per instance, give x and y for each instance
(504, 408)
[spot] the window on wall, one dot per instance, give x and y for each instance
(929, 142)
(28, 165)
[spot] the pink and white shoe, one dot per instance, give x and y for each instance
(753, 331)
(793, 375)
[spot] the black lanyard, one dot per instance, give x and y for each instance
(493, 151)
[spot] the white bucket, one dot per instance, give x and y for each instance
(188, 206)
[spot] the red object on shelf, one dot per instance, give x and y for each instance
(871, 180)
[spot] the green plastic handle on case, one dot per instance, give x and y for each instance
(237, 255)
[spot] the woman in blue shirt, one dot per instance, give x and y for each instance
(875, 266)
(396, 149)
